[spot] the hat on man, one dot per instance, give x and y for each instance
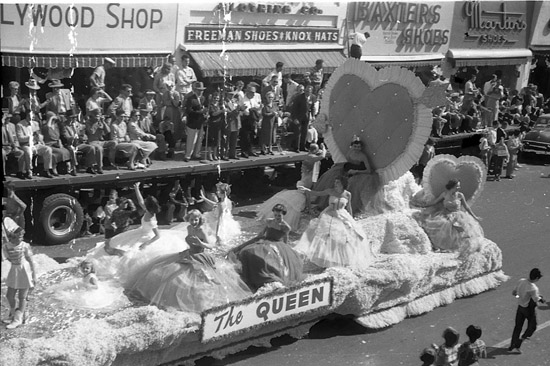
(254, 84)
(109, 60)
(150, 92)
(32, 84)
(198, 85)
(56, 83)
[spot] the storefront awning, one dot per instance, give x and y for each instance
(488, 57)
(403, 60)
(251, 63)
(84, 61)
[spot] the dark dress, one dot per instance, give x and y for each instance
(270, 260)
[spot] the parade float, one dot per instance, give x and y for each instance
(390, 110)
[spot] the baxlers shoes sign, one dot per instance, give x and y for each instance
(251, 313)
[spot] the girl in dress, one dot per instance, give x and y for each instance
(220, 221)
(138, 246)
(335, 239)
(296, 201)
(268, 257)
(88, 292)
(22, 275)
(190, 280)
(270, 112)
(449, 227)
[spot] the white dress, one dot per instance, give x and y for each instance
(335, 238)
(120, 267)
(228, 228)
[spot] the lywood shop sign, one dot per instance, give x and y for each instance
(236, 318)
(114, 27)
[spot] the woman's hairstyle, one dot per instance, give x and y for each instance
(152, 205)
(451, 183)
(473, 332)
(342, 180)
(270, 93)
(194, 213)
(87, 262)
(224, 187)
(451, 337)
(279, 207)
(94, 90)
(356, 141)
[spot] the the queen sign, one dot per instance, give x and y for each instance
(277, 306)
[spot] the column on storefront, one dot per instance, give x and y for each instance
(243, 41)
(415, 35)
(67, 42)
(490, 37)
(540, 45)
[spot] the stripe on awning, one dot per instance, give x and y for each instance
(81, 61)
(404, 60)
(489, 57)
(251, 63)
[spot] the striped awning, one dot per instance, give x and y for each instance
(488, 57)
(252, 63)
(81, 61)
(415, 60)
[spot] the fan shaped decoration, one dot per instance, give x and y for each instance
(469, 170)
(388, 109)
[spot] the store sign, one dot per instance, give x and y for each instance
(85, 28)
(279, 306)
(404, 27)
(490, 25)
(270, 8)
(216, 34)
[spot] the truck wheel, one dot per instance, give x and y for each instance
(61, 218)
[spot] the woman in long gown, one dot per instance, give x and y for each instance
(335, 239)
(296, 201)
(220, 220)
(190, 280)
(362, 184)
(450, 223)
(135, 248)
(268, 258)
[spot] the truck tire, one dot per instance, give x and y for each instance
(61, 219)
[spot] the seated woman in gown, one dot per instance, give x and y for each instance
(363, 182)
(450, 223)
(296, 201)
(191, 280)
(134, 248)
(268, 258)
(334, 238)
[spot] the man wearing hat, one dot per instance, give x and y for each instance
(196, 112)
(14, 100)
(97, 79)
(148, 104)
(277, 72)
(32, 103)
(60, 100)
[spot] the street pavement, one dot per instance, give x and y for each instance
(516, 215)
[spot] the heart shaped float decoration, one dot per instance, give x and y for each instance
(387, 109)
(469, 170)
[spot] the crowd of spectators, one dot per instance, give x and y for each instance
(58, 136)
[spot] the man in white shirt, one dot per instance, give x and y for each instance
(185, 77)
(291, 90)
(251, 106)
(528, 297)
(277, 72)
(97, 79)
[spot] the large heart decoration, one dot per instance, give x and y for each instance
(469, 170)
(384, 108)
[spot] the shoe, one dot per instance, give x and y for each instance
(253, 154)
(131, 166)
(497, 179)
(271, 153)
(244, 155)
(17, 320)
(28, 175)
(46, 174)
(73, 172)
(186, 160)
(526, 338)
(262, 153)
(519, 166)
(54, 172)
(9, 319)
(234, 158)
(225, 159)
(516, 351)
(99, 171)
(510, 176)
(20, 175)
(91, 170)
